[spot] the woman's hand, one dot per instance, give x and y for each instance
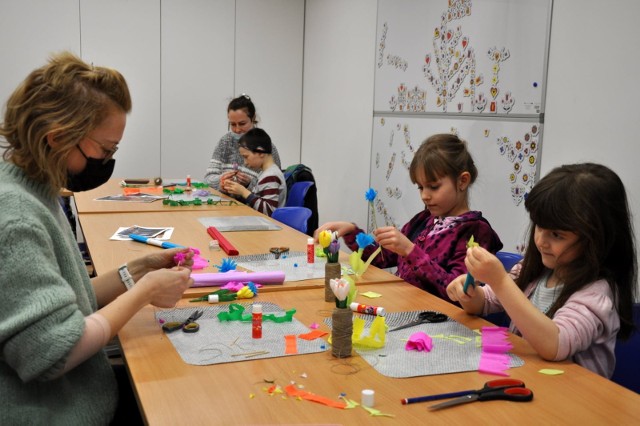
(392, 239)
(164, 287)
(161, 259)
(342, 228)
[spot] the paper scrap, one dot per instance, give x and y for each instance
(371, 294)
(551, 371)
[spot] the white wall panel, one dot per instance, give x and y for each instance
(29, 35)
(197, 82)
(125, 35)
(337, 121)
(268, 67)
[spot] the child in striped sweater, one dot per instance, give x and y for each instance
(271, 190)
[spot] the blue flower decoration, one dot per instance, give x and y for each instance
(370, 195)
(252, 287)
(364, 240)
(227, 265)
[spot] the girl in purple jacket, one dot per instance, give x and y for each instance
(429, 251)
(574, 290)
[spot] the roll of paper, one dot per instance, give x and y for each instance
(222, 278)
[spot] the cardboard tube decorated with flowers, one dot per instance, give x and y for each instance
(355, 259)
(330, 245)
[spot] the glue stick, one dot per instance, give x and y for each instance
(256, 322)
(367, 309)
(310, 251)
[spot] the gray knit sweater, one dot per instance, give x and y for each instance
(225, 155)
(45, 293)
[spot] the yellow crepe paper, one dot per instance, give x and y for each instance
(377, 333)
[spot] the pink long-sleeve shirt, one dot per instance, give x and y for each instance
(588, 325)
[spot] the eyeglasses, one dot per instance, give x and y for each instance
(108, 152)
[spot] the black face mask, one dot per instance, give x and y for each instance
(95, 173)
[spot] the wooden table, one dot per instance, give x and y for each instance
(172, 392)
(86, 202)
(107, 254)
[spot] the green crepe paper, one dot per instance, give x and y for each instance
(236, 314)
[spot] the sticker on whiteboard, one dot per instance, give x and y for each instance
(517, 194)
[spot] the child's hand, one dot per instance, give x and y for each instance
(392, 239)
(243, 178)
(455, 290)
(472, 302)
(341, 228)
(235, 188)
(484, 266)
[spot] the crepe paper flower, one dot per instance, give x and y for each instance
(370, 196)
(419, 341)
(364, 240)
(340, 289)
(330, 245)
(227, 265)
(324, 238)
(179, 258)
(246, 293)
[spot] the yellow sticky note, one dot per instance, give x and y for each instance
(371, 294)
(551, 371)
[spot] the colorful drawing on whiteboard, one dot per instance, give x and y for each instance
(382, 209)
(414, 100)
(523, 155)
(382, 44)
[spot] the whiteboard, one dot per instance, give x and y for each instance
(480, 57)
(506, 154)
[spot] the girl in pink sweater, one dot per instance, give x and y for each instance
(572, 295)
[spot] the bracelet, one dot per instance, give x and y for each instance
(125, 277)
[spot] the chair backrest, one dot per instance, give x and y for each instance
(299, 173)
(627, 371)
(508, 259)
(295, 217)
(297, 193)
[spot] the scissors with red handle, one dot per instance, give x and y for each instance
(504, 389)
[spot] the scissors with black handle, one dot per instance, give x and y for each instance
(424, 317)
(506, 389)
(188, 326)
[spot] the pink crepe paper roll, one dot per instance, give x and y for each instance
(222, 278)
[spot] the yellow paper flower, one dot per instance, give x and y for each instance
(324, 238)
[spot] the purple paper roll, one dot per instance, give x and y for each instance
(222, 278)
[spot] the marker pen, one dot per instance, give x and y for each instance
(154, 242)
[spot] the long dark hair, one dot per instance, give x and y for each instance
(589, 200)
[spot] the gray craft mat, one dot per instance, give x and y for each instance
(239, 223)
(293, 264)
(459, 351)
(217, 342)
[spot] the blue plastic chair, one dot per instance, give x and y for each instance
(508, 259)
(627, 371)
(295, 217)
(295, 196)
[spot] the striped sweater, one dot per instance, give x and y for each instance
(270, 192)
